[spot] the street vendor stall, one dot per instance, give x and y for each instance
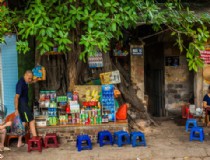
(84, 109)
(88, 109)
(87, 104)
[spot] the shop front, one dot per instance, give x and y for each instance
(87, 109)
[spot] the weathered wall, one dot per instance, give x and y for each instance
(178, 82)
(69, 133)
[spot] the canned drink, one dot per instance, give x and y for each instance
(89, 113)
(95, 120)
(93, 112)
(86, 119)
(69, 119)
(42, 96)
(98, 112)
(92, 120)
(73, 115)
(100, 119)
(47, 95)
(83, 117)
(73, 120)
(78, 120)
(86, 115)
(78, 115)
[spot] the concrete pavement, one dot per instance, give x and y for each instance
(169, 141)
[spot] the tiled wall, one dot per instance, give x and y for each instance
(69, 133)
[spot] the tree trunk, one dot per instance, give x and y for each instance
(75, 66)
(137, 112)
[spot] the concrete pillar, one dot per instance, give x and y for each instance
(198, 87)
(137, 71)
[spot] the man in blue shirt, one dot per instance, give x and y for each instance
(206, 104)
(21, 101)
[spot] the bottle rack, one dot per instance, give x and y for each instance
(108, 104)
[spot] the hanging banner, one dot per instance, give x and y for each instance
(205, 55)
(110, 77)
(95, 61)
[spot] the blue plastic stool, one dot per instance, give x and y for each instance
(80, 139)
(137, 139)
(190, 122)
(121, 137)
(102, 135)
(197, 133)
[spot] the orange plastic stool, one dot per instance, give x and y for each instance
(53, 137)
(35, 141)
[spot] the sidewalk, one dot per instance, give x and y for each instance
(169, 141)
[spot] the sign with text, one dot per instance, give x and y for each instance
(137, 51)
(95, 61)
(110, 77)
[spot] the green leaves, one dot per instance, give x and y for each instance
(114, 27)
(193, 55)
(5, 22)
(22, 47)
(93, 23)
(92, 41)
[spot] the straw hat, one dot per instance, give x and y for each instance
(206, 74)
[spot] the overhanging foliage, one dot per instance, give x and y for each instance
(96, 22)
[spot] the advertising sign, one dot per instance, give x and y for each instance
(110, 77)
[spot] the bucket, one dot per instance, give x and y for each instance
(184, 115)
(188, 114)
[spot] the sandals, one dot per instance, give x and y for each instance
(1, 149)
(22, 145)
(6, 149)
(1, 156)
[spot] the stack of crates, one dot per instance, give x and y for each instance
(108, 104)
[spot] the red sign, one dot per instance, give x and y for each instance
(205, 55)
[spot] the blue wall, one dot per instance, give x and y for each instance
(9, 71)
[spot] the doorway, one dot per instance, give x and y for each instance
(154, 78)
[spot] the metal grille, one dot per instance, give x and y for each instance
(156, 93)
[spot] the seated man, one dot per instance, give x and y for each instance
(5, 128)
(206, 105)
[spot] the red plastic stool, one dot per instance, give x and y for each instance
(53, 137)
(35, 141)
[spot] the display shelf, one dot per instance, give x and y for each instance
(41, 117)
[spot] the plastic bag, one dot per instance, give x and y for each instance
(122, 112)
(17, 127)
